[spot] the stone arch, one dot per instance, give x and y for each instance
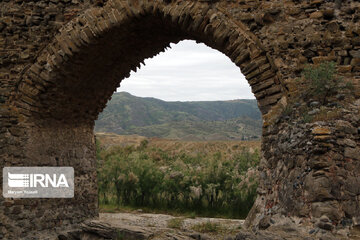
(60, 95)
(77, 72)
(52, 92)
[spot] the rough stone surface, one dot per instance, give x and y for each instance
(61, 61)
(154, 226)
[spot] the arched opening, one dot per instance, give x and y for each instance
(180, 157)
(191, 73)
(61, 94)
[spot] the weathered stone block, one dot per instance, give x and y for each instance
(345, 69)
(316, 15)
(353, 153)
(321, 131)
(317, 189)
(328, 208)
(345, 126)
(355, 62)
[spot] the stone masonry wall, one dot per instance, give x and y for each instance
(61, 60)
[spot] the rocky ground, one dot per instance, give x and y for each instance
(138, 226)
(161, 226)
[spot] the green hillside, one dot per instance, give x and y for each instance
(208, 120)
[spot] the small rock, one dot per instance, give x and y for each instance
(313, 112)
(355, 53)
(355, 61)
(346, 222)
(346, 142)
(314, 104)
(343, 233)
(24, 55)
(340, 96)
(333, 104)
(325, 225)
(309, 54)
(311, 231)
(319, 173)
(264, 222)
(345, 69)
(324, 218)
(196, 236)
(316, 15)
(333, 27)
(345, 127)
(28, 21)
(62, 237)
(328, 13)
(353, 153)
(349, 10)
(315, 3)
(321, 131)
(356, 221)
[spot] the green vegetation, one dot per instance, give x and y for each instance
(176, 223)
(324, 82)
(120, 235)
(323, 96)
(306, 118)
(207, 183)
(213, 120)
(207, 227)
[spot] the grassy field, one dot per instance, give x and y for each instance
(108, 140)
(214, 178)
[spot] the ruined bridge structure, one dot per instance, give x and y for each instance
(61, 60)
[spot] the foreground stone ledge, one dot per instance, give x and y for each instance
(282, 229)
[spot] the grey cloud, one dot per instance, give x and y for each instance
(188, 72)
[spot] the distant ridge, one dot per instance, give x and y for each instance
(126, 114)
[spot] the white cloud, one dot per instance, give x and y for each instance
(188, 72)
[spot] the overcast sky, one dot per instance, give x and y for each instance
(188, 72)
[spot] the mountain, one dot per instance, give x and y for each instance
(126, 114)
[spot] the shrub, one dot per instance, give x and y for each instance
(323, 81)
